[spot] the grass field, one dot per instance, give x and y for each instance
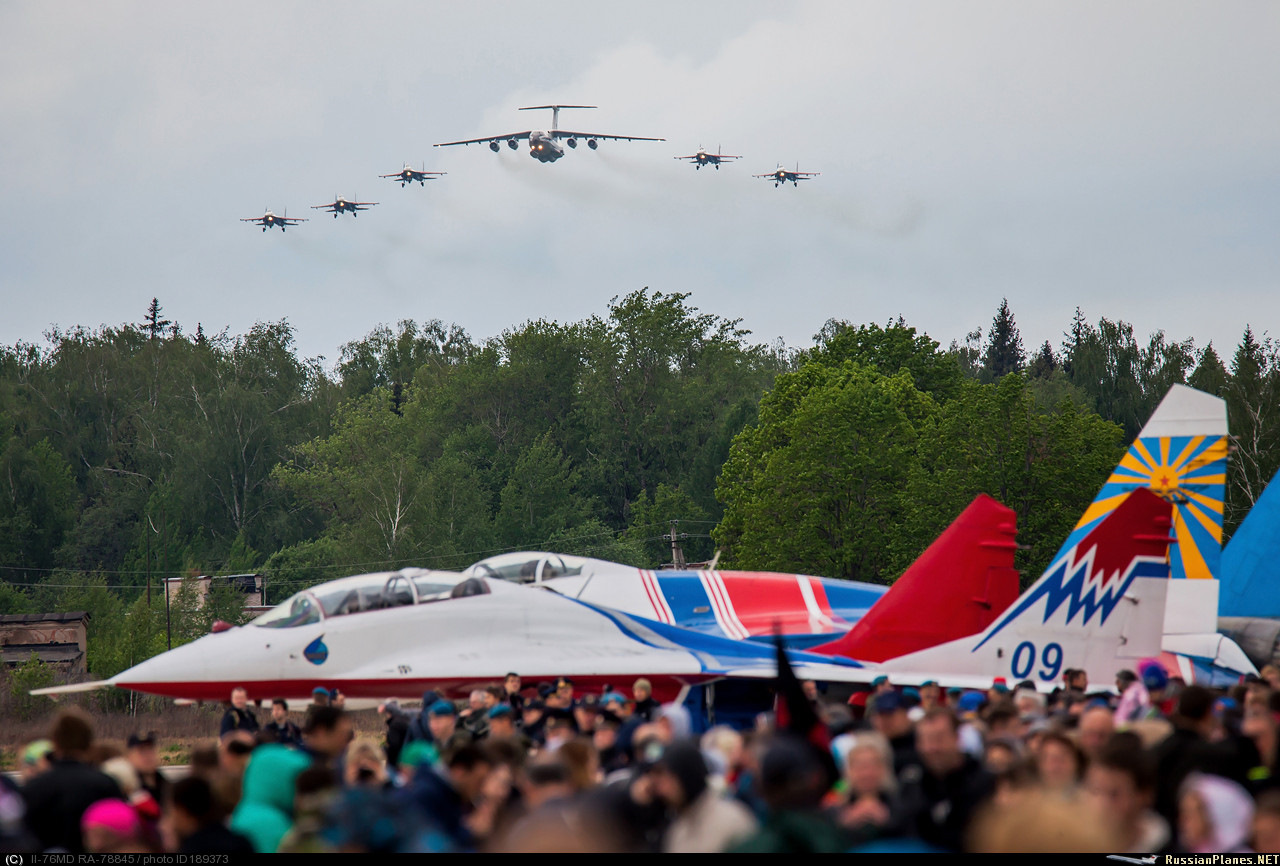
(178, 729)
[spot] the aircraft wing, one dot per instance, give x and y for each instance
(397, 174)
(328, 207)
(565, 133)
(804, 175)
(498, 138)
(252, 219)
(291, 220)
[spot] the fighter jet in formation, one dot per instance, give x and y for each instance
(544, 144)
(340, 204)
(270, 220)
(409, 174)
(782, 175)
(702, 158)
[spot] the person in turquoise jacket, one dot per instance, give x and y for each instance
(265, 812)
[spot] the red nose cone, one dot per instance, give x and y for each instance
(220, 625)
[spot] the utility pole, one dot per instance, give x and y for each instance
(677, 554)
(147, 531)
(168, 623)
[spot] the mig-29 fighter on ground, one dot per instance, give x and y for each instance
(544, 144)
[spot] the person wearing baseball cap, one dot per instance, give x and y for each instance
(143, 755)
(889, 718)
(442, 719)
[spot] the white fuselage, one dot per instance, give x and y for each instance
(543, 147)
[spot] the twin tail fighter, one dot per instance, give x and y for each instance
(782, 175)
(1099, 607)
(342, 205)
(409, 174)
(270, 220)
(702, 157)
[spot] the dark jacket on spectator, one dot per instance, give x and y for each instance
(58, 798)
(938, 809)
(436, 800)
(904, 752)
(287, 734)
(1185, 751)
(238, 720)
(215, 839)
(646, 708)
(397, 732)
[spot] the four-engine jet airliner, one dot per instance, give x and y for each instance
(340, 205)
(702, 158)
(544, 144)
(270, 220)
(782, 175)
(409, 174)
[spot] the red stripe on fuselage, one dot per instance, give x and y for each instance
(654, 594)
(724, 610)
(763, 600)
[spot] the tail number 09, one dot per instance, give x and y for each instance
(1024, 659)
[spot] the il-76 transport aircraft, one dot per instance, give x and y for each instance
(1099, 606)
(544, 144)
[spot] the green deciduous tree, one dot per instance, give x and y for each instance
(817, 485)
(1045, 464)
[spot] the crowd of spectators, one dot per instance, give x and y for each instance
(1146, 765)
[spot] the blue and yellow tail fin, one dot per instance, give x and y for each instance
(1181, 455)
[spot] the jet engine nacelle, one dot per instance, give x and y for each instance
(512, 143)
(591, 143)
(572, 142)
(493, 145)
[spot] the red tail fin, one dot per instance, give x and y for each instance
(956, 588)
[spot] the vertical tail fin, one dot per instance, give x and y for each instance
(1249, 561)
(956, 588)
(1181, 455)
(1099, 606)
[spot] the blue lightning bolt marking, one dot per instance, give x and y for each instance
(1065, 583)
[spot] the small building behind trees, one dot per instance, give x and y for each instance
(251, 585)
(58, 639)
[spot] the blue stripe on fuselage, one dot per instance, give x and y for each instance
(687, 598)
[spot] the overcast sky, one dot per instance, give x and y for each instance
(1119, 156)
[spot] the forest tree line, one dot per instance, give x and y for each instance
(140, 452)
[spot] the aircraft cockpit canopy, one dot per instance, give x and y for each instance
(368, 592)
(526, 567)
